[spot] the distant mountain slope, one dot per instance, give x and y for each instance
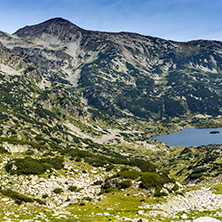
(126, 74)
(30, 106)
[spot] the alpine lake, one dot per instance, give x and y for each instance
(192, 137)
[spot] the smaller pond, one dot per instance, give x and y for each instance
(192, 137)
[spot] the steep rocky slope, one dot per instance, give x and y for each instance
(30, 105)
(126, 74)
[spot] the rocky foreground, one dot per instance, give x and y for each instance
(182, 206)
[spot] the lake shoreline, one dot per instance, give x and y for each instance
(191, 137)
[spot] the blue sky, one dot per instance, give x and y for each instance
(180, 20)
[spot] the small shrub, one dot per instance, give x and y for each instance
(158, 193)
(19, 202)
(107, 186)
(109, 167)
(124, 168)
(145, 166)
(126, 184)
(29, 152)
(18, 197)
(72, 188)
(194, 176)
(79, 189)
(3, 150)
(45, 196)
(175, 188)
(98, 182)
(129, 174)
(57, 162)
(39, 201)
(58, 190)
(153, 180)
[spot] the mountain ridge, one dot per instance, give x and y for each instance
(64, 21)
(110, 66)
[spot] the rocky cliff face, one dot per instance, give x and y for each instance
(126, 73)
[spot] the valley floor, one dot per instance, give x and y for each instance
(75, 191)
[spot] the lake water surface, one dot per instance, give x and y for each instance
(191, 137)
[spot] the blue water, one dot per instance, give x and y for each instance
(191, 137)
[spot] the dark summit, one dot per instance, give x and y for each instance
(56, 26)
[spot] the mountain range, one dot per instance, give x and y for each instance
(125, 74)
(78, 110)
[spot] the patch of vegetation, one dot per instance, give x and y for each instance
(21, 142)
(218, 189)
(98, 182)
(29, 152)
(3, 150)
(204, 123)
(56, 163)
(73, 188)
(129, 174)
(29, 165)
(58, 190)
(125, 184)
(18, 197)
(194, 163)
(45, 196)
(92, 159)
(114, 184)
(99, 160)
(41, 202)
(154, 180)
(159, 193)
(88, 198)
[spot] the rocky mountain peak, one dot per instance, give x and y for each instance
(57, 27)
